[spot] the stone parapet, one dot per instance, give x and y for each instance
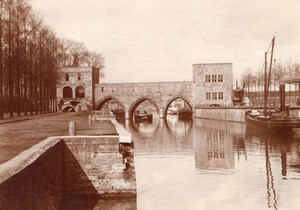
(67, 167)
(124, 135)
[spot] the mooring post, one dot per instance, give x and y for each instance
(72, 128)
(90, 119)
(161, 114)
(127, 115)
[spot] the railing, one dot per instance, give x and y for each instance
(101, 116)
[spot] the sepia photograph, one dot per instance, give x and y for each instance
(149, 105)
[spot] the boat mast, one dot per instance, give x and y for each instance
(271, 61)
(265, 87)
(267, 79)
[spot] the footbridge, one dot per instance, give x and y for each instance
(130, 95)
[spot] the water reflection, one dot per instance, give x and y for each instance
(214, 164)
(275, 145)
(214, 146)
(271, 191)
(162, 136)
(283, 145)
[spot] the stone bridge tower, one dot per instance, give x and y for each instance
(75, 88)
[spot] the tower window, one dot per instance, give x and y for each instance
(207, 78)
(220, 78)
(67, 92)
(67, 76)
(214, 78)
(79, 92)
(220, 95)
(214, 95)
(208, 96)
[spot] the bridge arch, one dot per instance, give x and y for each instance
(104, 100)
(173, 99)
(68, 108)
(138, 102)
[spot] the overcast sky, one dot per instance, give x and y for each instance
(160, 40)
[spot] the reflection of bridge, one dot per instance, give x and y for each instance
(162, 136)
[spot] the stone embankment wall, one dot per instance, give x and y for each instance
(34, 179)
(234, 114)
(220, 113)
(102, 163)
(63, 169)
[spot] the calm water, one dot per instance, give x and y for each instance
(203, 164)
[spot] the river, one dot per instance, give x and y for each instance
(197, 164)
(205, 164)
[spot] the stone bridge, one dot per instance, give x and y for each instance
(130, 95)
(79, 89)
(211, 85)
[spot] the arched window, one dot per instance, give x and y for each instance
(67, 76)
(67, 92)
(79, 92)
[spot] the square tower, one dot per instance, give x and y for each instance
(213, 84)
(75, 88)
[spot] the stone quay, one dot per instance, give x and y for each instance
(95, 161)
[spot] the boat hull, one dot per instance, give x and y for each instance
(271, 123)
(185, 114)
(143, 117)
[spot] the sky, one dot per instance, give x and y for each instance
(160, 40)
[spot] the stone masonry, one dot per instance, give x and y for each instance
(64, 169)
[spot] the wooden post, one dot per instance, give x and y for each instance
(127, 115)
(161, 113)
(282, 97)
(72, 128)
(90, 119)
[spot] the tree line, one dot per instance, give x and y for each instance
(30, 56)
(254, 80)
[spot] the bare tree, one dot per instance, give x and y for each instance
(30, 55)
(78, 53)
(95, 60)
(1, 61)
(63, 50)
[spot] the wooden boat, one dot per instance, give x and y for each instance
(275, 121)
(142, 116)
(184, 114)
(172, 111)
(267, 119)
(119, 114)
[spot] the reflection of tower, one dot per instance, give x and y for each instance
(214, 149)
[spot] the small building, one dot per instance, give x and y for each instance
(213, 84)
(75, 88)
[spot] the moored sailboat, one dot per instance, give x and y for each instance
(269, 119)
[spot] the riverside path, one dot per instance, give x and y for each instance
(19, 134)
